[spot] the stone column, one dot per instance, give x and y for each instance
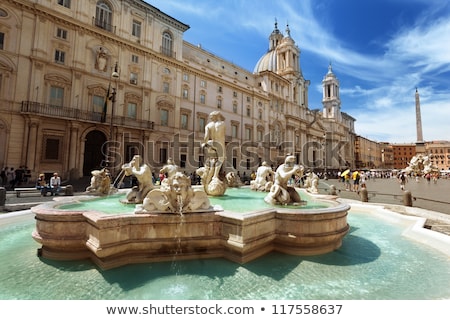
(32, 143)
(73, 147)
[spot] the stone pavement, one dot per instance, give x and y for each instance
(429, 196)
(434, 197)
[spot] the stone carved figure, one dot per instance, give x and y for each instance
(264, 178)
(169, 168)
(178, 197)
(101, 59)
(233, 180)
(421, 164)
(100, 182)
(312, 182)
(144, 176)
(280, 192)
(214, 149)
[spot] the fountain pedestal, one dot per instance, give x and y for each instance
(114, 240)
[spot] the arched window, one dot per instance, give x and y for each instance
(167, 44)
(103, 16)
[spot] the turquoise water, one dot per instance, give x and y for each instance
(374, 262)
(235, 199)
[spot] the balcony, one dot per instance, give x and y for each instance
(103, 25)
(52, 111)
(167, 52)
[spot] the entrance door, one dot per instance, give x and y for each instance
(94, 155)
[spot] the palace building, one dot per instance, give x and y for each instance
(88, 84)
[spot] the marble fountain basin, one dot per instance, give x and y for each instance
(113, 240)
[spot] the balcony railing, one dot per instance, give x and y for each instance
(52, 111)
(167, 52)
(104, 25)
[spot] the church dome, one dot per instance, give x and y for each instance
(268, 62)
(277, 44)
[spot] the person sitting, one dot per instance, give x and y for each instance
(55, 184)
(42, 185)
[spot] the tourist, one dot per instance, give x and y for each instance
(403, 180)
(355, 177)
(347, 181)
(42, 185)
(3, 177)
(55, 184)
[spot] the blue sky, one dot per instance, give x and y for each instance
(380, 50)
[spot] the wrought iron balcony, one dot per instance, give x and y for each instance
(52, 111)
(104, 25)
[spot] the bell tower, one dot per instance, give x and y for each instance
(331, 101)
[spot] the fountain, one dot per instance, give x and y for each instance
(206, 232)
(420, 165)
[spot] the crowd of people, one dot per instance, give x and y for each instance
(11, 177)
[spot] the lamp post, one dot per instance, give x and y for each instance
(114, 75)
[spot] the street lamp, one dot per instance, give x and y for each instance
(114, 75)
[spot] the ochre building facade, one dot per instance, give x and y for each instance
(85, 84)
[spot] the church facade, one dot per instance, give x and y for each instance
(88, 84)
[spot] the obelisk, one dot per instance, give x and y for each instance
(420, 144)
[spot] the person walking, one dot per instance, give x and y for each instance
(403, 180)
(355, 177)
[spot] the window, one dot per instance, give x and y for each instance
(133, 78)
(235, 107)
(52, 148)
(2, 40)
(219, 89)
(248, 111)
(164, 117)
(184, 121)
(248, 134)
(219, 103)
(163, 155)
(97, 103)
(103, 16)
(201, 124)
(167, 44)
(61, 33)
(136, 29)
(166, 87)
(60, 56)
(234, 131)
(203, 83)
(185, 77)
(64, 3)
(57, 96)
(132, 110)
(260, 136)
(134, 58)
(202, 98)
(234, 94)
(260, 115)
(185, 93)
(183, 159)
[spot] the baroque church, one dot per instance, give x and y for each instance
(89, 84)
